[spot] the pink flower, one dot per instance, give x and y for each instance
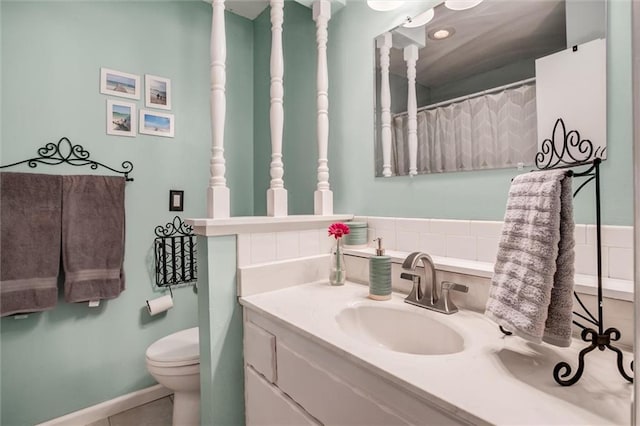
(338, 229)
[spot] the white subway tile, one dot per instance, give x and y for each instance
(487, 249)
(287, 245)
(418, 226)
(460, 247)
(617, 236)
(263, 247)
(580, 234)
(310, 242)
(585, 259)
(433, 244)
(243, 242)
(388, 238)
(388, 223)
(326, 242)
(407, 241)
(485, 228)
(621, 263)
(449, 227)
(591, 234)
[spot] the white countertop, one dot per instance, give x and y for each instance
(495, 379)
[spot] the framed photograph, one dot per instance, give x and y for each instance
(176, 201)
(118, 83)
(121, 118)
(157, 92)
(156, 123)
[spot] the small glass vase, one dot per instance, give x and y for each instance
(338, 273)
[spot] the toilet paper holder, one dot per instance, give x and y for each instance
(175, 248)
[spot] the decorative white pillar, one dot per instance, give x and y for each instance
(411, 57)
(276, 194)
(218, 204)
(383, 43)
(322, 197)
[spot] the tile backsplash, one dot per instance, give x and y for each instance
(464, 239)
(478, 240)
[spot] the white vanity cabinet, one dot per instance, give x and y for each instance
(294, 379)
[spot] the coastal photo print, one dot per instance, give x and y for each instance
(121, 118)
(157, 92)
(119, 83)
(156, 123)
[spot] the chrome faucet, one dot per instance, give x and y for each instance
(425, 293)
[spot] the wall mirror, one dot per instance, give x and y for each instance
(459, 92)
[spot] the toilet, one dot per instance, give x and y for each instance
(174, 361)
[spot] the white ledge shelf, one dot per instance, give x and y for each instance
(584, 284)
(249, 224)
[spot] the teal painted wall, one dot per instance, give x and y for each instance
(466, 195)
(72, 357)
(221, 362)
(300, 148)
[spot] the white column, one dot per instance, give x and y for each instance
(383, 43)
(276, 194)
(218, 204)
(411, 56)
(322, 197)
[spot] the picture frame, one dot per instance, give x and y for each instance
(156, 123)
(121, 118)
(157, 92)
(176, 200)
(118, 83)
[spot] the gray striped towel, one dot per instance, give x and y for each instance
(531, 291)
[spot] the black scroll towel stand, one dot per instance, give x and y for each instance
(567, 153)
(65, 152)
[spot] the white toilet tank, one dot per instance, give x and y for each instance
(177, 349)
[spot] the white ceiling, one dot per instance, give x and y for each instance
(249, 9)
(490, 35)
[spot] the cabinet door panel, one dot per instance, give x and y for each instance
(260, 350)
(325, 396)
(267, 405)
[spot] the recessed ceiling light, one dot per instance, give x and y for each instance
(384, 5)
(441, 33)
(461, 4)
(420, 20)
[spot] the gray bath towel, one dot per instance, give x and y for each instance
(29, 242)
(531, 291)
(93, 236)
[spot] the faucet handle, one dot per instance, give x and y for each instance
(448, 285)
(445, 303)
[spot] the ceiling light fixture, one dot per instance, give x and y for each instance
(441, 33)
(384, 5)
(419, 20)
(461, 4)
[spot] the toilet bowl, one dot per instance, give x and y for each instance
(174, 361)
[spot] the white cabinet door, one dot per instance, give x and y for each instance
(267, 405)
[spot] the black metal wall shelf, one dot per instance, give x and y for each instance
(175, 250)
(64, 152)
(569, 153)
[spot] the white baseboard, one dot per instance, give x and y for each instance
(109, 408)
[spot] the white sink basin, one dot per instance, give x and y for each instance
(399, 330)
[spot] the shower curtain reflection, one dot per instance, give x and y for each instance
(496, 130)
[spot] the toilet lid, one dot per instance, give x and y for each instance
(180, 348)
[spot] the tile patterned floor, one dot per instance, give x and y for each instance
(155, 413)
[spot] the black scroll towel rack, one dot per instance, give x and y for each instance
(64, 152)
(175, 248)
(568, 153)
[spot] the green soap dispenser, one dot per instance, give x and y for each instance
(379, 274)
